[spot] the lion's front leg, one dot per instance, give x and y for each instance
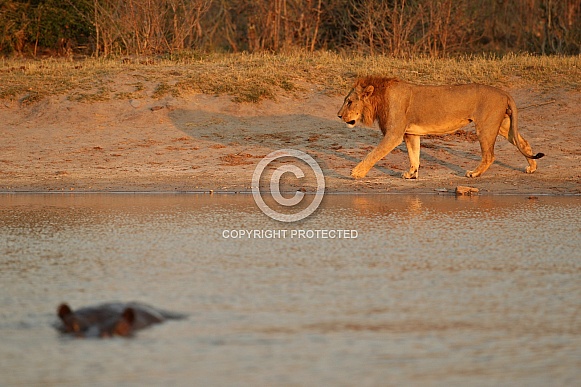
(385, 146)
(411, 174)
(360, 170)
(412, 143)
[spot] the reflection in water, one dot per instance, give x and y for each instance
(434, 288)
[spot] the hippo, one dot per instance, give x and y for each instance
(110, 319)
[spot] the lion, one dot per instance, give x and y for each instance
(406, 111)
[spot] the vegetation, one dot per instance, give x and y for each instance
(94, 50)
(253, 77)
(399, 28)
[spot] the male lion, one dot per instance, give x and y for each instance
(407, 111)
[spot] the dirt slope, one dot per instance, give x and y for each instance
(201, 143)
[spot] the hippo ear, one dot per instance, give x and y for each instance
(124, 326)
(63, 311)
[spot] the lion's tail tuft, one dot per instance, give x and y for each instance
(514, 129)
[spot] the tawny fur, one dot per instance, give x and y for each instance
(407, 111)
(374, 109)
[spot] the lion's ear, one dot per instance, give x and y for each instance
(368, 92)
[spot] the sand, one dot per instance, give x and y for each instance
(203, 142)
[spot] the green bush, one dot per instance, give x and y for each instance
(35, 27)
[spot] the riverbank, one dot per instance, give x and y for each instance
(139, 136)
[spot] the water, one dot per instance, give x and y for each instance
(434, 290)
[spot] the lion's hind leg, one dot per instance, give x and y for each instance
(505, 132)
(487, 139)
(413, 145)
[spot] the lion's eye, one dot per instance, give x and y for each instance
(348, 103)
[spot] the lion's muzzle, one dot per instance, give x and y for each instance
(350, 124)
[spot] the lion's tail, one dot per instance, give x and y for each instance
(513, 131)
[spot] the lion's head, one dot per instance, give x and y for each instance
(364, 100)
(356, 107)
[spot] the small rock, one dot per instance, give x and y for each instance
(461, 190)
(157, 107)
(441, 190)
(135, 103)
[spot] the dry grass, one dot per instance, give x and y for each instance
(254, 77)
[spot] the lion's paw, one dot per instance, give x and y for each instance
(530, 170)
(408, 175)
(470, 174)
(358, 172)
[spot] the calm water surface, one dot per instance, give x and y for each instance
(433, 291)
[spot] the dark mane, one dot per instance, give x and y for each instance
(376, 107)
(375, 81)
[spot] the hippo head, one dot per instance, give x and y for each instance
(97, 322)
